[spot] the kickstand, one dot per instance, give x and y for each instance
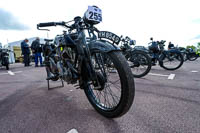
(48, 84)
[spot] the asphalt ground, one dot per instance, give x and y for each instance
(161, 105)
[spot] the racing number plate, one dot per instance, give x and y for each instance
(110, 36)
(94, 14)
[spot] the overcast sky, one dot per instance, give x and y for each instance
(172, 20)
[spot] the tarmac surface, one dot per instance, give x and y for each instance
(162, 104)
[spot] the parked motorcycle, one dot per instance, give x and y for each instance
(78, 60)
(4, 58)
(138, 59)
(189, 54)
(168, 59)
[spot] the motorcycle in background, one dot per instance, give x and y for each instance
(4, 58)
(138, 59)
(168, 59)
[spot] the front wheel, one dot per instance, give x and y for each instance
(115, 95)
(140, 63)
(171, 60)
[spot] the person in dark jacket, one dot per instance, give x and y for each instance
(37, 50)
(26, 52)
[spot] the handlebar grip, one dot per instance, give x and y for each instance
(46, 24)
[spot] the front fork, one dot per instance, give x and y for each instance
(87, 69)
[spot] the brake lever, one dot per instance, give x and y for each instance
(42, 29)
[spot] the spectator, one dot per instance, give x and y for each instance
(37, 50)
(26, 52)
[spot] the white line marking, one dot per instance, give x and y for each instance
(3, 73)
(17, 72)
(73, 131)
(171, 76)
(11, 73)
(194, 71)
(155, 74)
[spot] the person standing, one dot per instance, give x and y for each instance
(37, 50)
(26, 52)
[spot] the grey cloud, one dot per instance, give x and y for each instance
(10, 22)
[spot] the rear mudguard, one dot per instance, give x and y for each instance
(102, 46)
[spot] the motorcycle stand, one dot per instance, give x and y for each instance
(48, 84)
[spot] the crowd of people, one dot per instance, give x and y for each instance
(36, 48)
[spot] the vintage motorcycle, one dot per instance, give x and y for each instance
(168, 59)
(78, 59)
(4, 58)
(189, 54)
(138, 59)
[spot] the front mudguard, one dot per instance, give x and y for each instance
(102, 47)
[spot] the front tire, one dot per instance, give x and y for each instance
(101, 99)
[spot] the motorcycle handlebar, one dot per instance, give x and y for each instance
(50, 24)
(46, 24)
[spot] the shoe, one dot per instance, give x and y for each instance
(36, 65)
(42, 65)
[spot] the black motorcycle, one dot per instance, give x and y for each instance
(168, 59)
(138, 59)
(4, 58)
(77, 59)
(189, 54)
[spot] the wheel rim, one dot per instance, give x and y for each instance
(108, 98)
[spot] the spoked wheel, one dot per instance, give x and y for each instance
(114, 94)
(192, 56)
(140, 63)
(172, 61)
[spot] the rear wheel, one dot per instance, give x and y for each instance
(192, 56)
(115, 95)
(172, 61)
(140, 63)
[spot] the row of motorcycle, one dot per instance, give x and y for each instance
(101, 63)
